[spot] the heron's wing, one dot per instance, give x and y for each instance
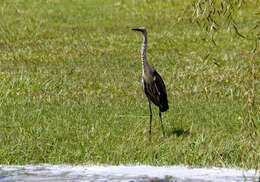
(162, 100)
(156, 91)
(159, 84)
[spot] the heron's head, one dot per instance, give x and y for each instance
(140, 29)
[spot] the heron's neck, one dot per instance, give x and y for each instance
(143, 53)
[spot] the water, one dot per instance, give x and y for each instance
(68, 173)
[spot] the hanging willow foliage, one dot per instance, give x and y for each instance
(213, 14)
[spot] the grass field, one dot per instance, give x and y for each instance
(70, 85)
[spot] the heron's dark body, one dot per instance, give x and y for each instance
(156, 91)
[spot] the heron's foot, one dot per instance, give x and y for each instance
(163, 134)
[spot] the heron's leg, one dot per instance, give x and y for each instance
(160, 115)
(151, 117)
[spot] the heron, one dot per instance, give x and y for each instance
(152, 83)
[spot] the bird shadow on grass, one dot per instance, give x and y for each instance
(179, 132)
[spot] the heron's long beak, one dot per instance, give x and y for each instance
(136, 29)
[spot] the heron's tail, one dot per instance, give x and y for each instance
(164, 108)
(163, 104)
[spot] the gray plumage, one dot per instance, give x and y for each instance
(153, 85)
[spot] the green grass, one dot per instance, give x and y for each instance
(70, 87)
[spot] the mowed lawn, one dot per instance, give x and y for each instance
(70, 85)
